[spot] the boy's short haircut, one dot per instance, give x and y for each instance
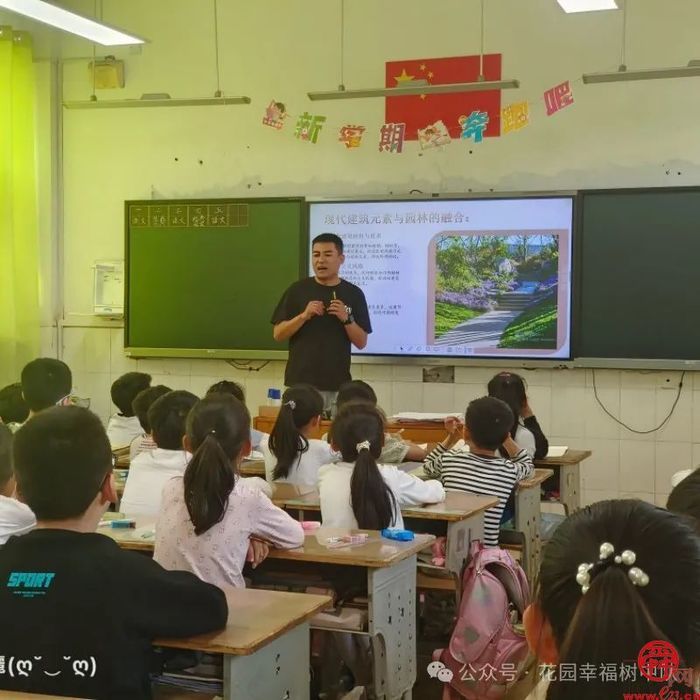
(226, 386)
(685, 498)
(329, 238)
(61, 459)
(144, 400)
(126, 389)
(45, 381)
(489, 421)
(355, 391)
(6, 470)
(167, 416)
(13, 407)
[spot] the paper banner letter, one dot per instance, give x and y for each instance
(515, 116)
(434, 135)
(308, 127)
(351, 135)
(392, 137)
(275, 114)
(474, 125)
(558, 97)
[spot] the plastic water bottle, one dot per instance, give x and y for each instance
(274, 397)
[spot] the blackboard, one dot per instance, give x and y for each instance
(639, 274)
(203, 277)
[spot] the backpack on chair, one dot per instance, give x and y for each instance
(486, 652)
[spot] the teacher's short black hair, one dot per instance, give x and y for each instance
(329, 238)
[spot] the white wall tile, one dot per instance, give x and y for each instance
(119, 363)
(385, 399)
(660, 499)
(670, 458)
(381, 373)
(696, 416)
(604, 378)
(407, 373)
(164, 365)
(696, 455)
(540, 398)
(597, 424)
(438, 398)
(256, 393)
(95, 386)
(174, 381)
(568, 403)
(637, 466)
(590, 496)
(568, 378)
(679, 428)
(602, 470)
(407, 396)
(638, 410)
(475, 375)
(636, 379)
(536, 377)
(464, 393)
(213, 368)
(640, 495)
(48, 342)
(199, 384)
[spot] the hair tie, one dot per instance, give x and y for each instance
(291, 403)
(212, 432)
(364, 445)
(636, 576)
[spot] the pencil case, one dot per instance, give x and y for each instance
(123, 523)
(307, 525)
(396, 534)
(346, 540)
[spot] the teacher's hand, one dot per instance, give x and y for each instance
(339, 310)
(313, 308)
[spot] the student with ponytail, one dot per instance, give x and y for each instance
(614, 577)
(209, 515)
(358, 492)
(290, 454)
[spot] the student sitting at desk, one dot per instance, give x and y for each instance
(358, 492)
(15, 517)
(124, 426)
(526, 431)
(685, 498)
(236, 390)
(13, 408)
(210, 514)
(149, 471)
(46, 382)
(291, 455)
(481, 470)
(615, 577)
(143, 401)
(78, 612)
(395, 449)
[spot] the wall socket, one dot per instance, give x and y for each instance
(438, 375)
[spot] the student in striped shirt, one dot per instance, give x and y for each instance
(481, 470)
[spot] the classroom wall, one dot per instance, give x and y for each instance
(635, 134)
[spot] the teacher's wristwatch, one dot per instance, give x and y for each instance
(351, 318)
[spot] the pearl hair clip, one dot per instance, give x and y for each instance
(607, 550)
(364, 445)
(291, 403)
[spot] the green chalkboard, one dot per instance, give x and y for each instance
(639, 280)
(203, 276)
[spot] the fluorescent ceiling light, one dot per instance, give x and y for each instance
(70, 22)
(587, 5)
(692, 70)
(158, 101)
(415, 87)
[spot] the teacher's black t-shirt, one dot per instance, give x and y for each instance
(319, 352)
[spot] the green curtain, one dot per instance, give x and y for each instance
(19, 247)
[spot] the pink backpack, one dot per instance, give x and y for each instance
(486, 653)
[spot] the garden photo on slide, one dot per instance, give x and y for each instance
(498, 291)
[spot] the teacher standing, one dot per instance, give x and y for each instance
(322, 316)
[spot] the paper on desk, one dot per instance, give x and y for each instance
(254, 456)
(409, 417)
(557, 451)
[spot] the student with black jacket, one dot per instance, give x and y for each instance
(79, 614)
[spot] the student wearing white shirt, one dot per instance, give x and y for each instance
(358, 492)
(124, 426)
(291, 455)
(150, 471)
(15, 518)
(143, 401)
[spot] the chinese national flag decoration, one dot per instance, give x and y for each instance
(418, 110)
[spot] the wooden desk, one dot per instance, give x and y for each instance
(253, 467)
(265, 643)
(390, 568)
(527, 519)
(463, 514)
(14, 695)
(569, 469)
